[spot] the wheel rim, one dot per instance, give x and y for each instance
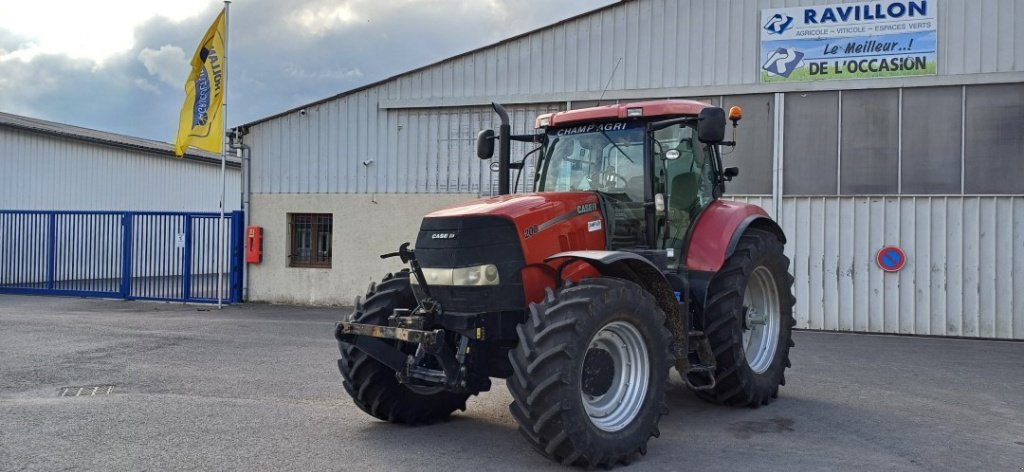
(614, 376)
(761, 320)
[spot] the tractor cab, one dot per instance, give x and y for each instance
(654, 165)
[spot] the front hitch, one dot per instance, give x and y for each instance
(369, 339)
(346, 332)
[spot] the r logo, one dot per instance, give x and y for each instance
(782, 61)
(778, 23)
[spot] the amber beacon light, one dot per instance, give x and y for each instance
(735, 114)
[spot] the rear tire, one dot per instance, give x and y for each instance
(749, 322)
(372, 385)
(590, 373)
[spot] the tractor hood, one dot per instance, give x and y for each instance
(512, 232)
(525, 209)
(545, 223)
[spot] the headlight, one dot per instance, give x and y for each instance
(486, 274)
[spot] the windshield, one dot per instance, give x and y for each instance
(603, 157)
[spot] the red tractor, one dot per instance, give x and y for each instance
(622, 263)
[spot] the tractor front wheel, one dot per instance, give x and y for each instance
(372, 385)
(590, 373)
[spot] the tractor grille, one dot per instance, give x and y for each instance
(472, 241)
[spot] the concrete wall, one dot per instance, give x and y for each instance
(365, 226)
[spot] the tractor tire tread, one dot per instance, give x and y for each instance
(373, 386)
(543, 390)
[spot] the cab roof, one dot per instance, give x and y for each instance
(652, 108)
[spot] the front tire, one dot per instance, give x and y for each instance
(373, 386)
(590, 373)
(749, 322)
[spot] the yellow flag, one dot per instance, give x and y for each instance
(202, 118)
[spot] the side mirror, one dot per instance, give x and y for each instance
(711, 125)
(485, 144)
(729, 172)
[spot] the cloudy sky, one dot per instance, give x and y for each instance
(120, 65)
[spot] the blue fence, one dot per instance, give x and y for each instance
(131, 255)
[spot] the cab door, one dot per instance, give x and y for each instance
(685, 176)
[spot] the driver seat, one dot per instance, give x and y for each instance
(635, 188)
(681, 200)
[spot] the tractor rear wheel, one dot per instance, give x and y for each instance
(372, 385)
(749, 322)
(590, 373)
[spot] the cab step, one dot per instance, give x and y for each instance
(700, 377)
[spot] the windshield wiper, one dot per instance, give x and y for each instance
(603, 133)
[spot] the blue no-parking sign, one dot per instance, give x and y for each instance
(891, 258)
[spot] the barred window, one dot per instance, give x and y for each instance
(310, 244)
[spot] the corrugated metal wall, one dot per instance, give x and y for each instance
(669, 43)
(350, 146)
(964, 274)
(43, 172)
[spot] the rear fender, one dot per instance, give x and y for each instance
(715, 236)
(718, 230)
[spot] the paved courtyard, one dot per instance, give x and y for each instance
(255, 387)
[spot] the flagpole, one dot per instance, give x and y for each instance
(223, 163)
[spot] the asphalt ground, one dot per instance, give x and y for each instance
(256, 387)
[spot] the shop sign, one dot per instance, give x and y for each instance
(848, 41)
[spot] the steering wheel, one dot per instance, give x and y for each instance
(608, 180)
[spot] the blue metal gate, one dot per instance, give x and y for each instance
(131, 255)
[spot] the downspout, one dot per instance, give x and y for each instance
(245, 155)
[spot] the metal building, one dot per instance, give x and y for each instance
(929, 159)
(91, 213)
(54, 166)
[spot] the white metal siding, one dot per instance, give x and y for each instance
(43, 172)
(759, 200)
(694, 43)
(405, 150)
(964, 274)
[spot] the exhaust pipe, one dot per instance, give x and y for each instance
(504, 149)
